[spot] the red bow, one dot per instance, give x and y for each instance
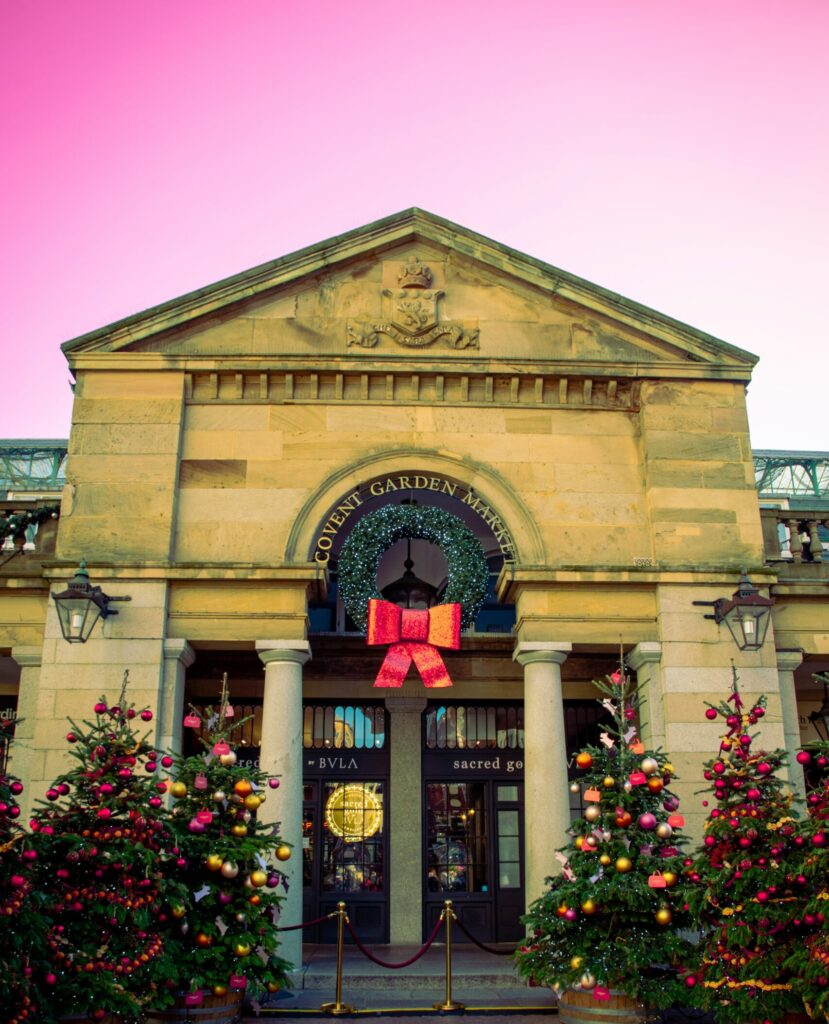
(421, 632)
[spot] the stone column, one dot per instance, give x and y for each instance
(646, 661)
(281, 754)
(405, 875)
(178, 657)
(787, 663)
(22, 758)
(546, 788)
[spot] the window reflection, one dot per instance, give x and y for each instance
(456, 837)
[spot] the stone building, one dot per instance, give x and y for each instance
(226, 444)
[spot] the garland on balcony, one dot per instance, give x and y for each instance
(15, 524)
(467, 570)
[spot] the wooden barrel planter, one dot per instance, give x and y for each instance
(214, 1009)
(580, 1007)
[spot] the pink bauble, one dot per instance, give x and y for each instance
(803, 757)
(647, 821)
(764, 768)
(711, 714)
(273, 783)
(167, 761)
(146, 715)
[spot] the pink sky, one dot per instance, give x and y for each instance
(674, 152)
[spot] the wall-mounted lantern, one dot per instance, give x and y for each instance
(746, 614)
(81, 605)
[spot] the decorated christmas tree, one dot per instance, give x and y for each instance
(224, 929)
(610, 920)
(22, 926)
(748, 875)
(809, 961)
(99, 844)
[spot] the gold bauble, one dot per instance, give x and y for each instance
(214, 862)
(220, 990)
(576, 962)
(178, 912)
(283, 852)
(608, 782)
(258, 878)
(664, 830)
(229, 869)
(219, 796)
(663, 915)
(623, 865)
(241, 949)
(273, 986)
(649, 765)
(203, 940)
(605, 859)
(588, 907)
(178, 789)
(252, 802)
(228, 760)
(239, 830)
(578, 842)
(587, 981)
(670, 878)
(592, 813)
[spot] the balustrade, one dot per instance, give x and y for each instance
(795, 535)
(34, 539)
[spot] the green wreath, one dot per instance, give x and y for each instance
(468, 573)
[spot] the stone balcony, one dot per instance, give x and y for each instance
(796, 543)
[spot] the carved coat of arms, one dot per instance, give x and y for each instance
(411, 315)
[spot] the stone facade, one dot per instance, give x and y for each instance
(602, 450)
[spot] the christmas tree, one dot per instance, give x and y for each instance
(22, 926)
(99, 843)
(749, 882)
(224, 927)
(809, 961)
(611, 917)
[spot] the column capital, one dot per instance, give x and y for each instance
(646, 652)
(407, 705)
(297, 651)
(27, 657)
(551, 651)
(179, 650)
(788, 661)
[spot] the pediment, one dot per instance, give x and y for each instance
(416, 287)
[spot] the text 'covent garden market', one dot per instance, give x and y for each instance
(412, 491)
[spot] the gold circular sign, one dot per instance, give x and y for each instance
(354, 812)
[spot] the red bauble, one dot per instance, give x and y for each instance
(146, 715)
(803, 757)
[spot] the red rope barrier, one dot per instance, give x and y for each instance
(307, 924)
(480, 945)
(384, 963)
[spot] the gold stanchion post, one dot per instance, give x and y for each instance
(338, 1008)
(448, 1003)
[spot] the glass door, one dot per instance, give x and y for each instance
(344, 856)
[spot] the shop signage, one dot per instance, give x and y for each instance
(455, 764)
(349, 503)
(353, 812)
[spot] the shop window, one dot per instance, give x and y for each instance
(475, 727)
(344, 727)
